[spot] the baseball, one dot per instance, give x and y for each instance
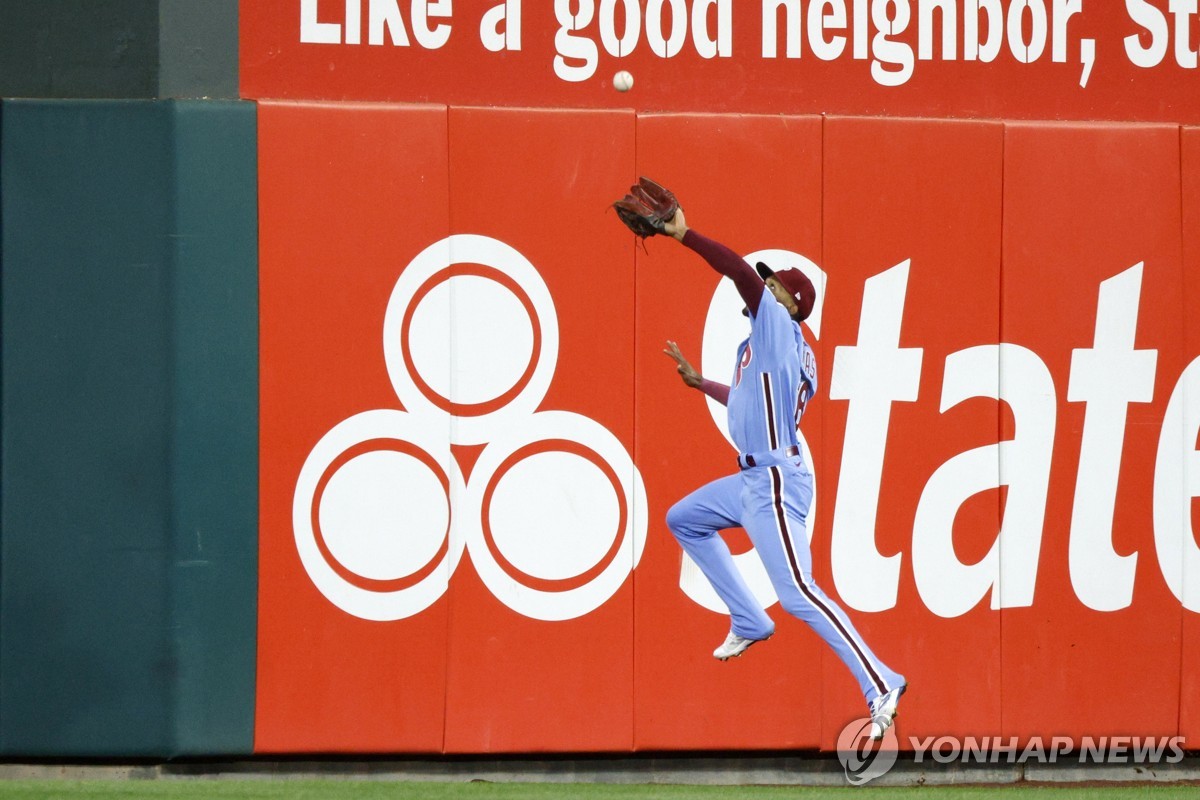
(623, 81)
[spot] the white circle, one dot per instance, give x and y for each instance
(466, 249)
(579, 600)
(623, 81)
(424, 433)
(384, 515)
(553, 515)
(490, 336)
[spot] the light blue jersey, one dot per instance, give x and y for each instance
(775, 377)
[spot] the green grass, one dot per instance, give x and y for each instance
(203, 789)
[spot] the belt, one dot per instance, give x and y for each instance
(767, 458)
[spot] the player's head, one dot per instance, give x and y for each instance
(796, 287)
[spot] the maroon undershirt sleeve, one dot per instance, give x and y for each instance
(729, 264)
(717, 391)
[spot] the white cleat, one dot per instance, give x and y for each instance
(734, 646)
(883, 711)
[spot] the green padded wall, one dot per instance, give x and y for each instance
(129, 415)
(85, 662)
(215, 434)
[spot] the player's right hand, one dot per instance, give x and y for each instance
(686, 371)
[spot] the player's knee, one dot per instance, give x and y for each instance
(678, 520)
(799, 606)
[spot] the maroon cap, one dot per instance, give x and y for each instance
(798, 286)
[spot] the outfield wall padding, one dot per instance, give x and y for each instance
(683, 450)
(1002, 497)
(1093, 266)
(129, 417)
(1189, 686)
(423, 511)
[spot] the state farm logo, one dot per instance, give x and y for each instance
(382, 513)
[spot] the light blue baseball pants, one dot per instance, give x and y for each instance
(772, 504)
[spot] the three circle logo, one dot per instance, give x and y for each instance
(553, 513)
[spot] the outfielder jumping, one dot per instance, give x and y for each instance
(774, 379)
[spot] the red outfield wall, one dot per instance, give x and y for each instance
(470, 437)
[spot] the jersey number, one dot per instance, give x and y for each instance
(801, 401)
(742, 364)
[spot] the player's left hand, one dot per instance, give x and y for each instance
(677, 227)
(686, 371)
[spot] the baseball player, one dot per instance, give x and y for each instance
(774, 379)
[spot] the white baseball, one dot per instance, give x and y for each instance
(623, 81)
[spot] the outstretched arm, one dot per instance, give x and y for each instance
(722, 259)
(717, 391)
